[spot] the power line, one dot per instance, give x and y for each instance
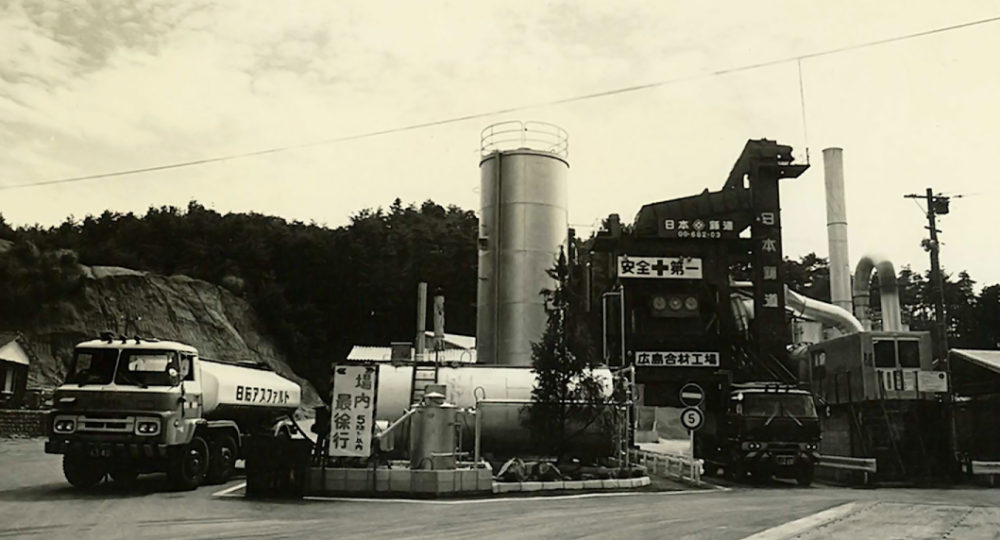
(474, 116)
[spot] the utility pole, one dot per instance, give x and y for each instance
(936, 205)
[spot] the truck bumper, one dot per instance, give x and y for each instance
(102, 449)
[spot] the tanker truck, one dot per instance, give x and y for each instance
(133, 406)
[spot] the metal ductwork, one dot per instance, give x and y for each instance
(836, 228)
(828, 314)
(891, 318)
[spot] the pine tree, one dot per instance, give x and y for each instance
(568, 397)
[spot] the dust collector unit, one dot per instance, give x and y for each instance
(523, 221)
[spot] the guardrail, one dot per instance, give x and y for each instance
(984, 467)
(674, 466)
(866, 466)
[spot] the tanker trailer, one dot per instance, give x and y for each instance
(132, 406)
(500, 395)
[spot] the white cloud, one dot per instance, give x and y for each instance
(116, 85)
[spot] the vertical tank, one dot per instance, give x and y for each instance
(523, 221)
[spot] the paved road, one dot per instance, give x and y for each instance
(35, 501)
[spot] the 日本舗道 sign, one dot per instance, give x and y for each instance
(710, 228)
(352, 415)
(659, 267)
(708, 359)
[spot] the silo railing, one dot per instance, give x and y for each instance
(530, 135)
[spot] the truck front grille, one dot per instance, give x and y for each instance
(92, 424)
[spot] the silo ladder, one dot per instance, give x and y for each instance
(424, 373)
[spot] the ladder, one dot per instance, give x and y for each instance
(424, 373)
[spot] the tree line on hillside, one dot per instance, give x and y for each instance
(320, 290)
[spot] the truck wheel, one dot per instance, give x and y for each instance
(804, 477)
(83, 472)
(187, 467)
(223, 459)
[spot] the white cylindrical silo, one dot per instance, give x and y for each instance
(523, 222)
(836, 228)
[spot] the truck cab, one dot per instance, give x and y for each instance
(768, 429)
(132, 406)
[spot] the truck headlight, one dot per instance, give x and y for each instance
(64, 424)
(147, 426)
(810, 446)
(752, 445)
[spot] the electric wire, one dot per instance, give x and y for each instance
(507, 110)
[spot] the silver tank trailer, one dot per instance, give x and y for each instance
(523, 222)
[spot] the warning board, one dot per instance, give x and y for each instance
(352, 418)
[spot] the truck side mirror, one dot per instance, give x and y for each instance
(826, 411)
(175, 376)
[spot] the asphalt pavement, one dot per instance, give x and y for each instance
(35, 501)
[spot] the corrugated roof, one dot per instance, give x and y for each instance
(987, 359)
(456, 340)
(365, 353)
(7, 337)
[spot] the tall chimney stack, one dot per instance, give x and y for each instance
(836, 228)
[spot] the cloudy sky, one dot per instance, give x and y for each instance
(103, 86)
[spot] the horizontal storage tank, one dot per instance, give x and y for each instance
(523, 222)
(502, 393)
(231, 391)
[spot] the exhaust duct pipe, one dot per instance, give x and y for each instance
(828, 314)
(892, 320)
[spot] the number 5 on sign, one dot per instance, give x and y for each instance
(692, 418)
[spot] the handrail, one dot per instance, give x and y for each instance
(532, 135)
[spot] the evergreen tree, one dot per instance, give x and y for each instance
(568, 396)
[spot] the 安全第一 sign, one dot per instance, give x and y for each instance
(659, 267)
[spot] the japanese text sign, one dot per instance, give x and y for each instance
(352, 419)
(659, 267)
(677, 359)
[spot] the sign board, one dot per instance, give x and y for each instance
(352, 419)
(898, 380)
(692, 418)
(932, 381)
(659, 267)
(692, 395)
(709, 359)
(709, 228)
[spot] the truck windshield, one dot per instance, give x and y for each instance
(92, 366)
(768, 404)
(144, 367)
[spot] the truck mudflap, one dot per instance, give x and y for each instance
(106, 449)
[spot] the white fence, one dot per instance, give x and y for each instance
(674, 466)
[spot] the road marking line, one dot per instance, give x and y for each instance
(229, 490)
(801, 525)
(498, 499)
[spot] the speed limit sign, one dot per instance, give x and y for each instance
(692, 418)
